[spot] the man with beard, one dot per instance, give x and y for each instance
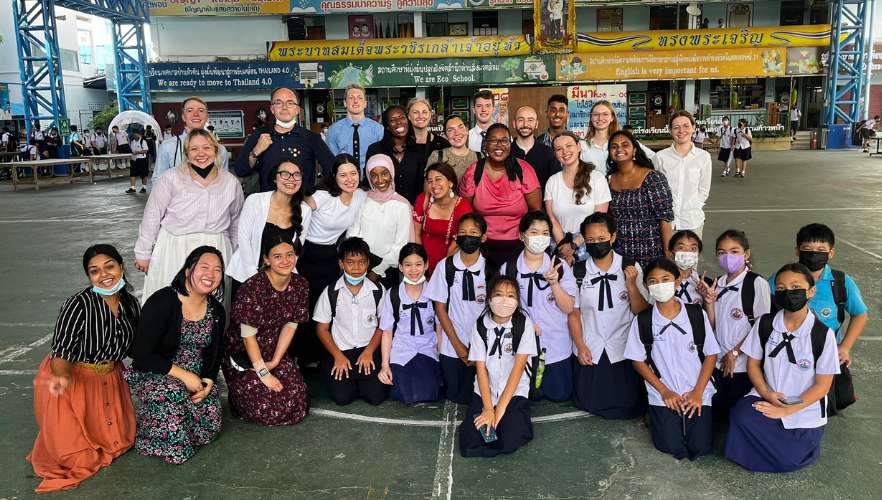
(527, 148)
(558, 113)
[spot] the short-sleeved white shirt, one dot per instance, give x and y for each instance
(407, 342)
(332, 217)
(732, 325)
(501, 361)
(462, 313)
(563, 198)
(355, 321)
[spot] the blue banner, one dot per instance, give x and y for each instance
(234, 76)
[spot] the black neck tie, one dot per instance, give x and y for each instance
(605, 290)
(497, 344)
(684, 290)
(536, 278)
(468, 284)
(785, 343)
(416, 321)
(356, 149)
(672, 324)
(727, 289)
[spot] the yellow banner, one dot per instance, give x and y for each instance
(218, 7)
(671, 65)
(770, 36)
(399, 48)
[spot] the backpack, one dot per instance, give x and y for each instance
(840, 294)
(580, 269)
(696, 321)
(748, 294)
(518, 324)
(479, 172)
(450, 271)
(333, 293)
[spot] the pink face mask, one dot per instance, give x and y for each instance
(732, 262)
(503, 307)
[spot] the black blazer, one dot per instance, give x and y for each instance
(159, 334)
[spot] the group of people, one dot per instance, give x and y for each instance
(478, 278)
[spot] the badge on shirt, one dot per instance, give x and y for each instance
(623, 296)
(691, 347)
(431, 321)
(372, 320)
(507, 348)
(826, 312)
(804, 364)
(480, 298)
(736, 313)
(550, 298)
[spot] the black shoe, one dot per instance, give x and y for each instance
(143, 190)
(130, 191)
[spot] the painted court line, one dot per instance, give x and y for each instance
(560, 417)
(26, 325)
(40, 221)
(861, 249)
(17, 372)
(21, 350)
(795, 209)
(444, 464)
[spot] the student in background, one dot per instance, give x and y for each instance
(727, 136)
(743, 143)
(139, 166)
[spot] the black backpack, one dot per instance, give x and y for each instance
(479, 172)
(450, 271)
(696, 321)
(518, 324)
(580, 268)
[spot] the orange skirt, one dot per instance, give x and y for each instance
(83, 429)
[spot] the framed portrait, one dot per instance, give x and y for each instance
(458, 29)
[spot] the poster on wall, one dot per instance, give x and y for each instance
(740, 15)
(583, 97)
(228, 124)
(609, 20)
(500, 105)
(554, 25)
(361, 27)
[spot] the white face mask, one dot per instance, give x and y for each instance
(538, 244)
(414, 282)
(686, 260)
(662, 292)
(289, 124)
(503, 307)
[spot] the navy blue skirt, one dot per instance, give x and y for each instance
(762, 444)
(515, 429)
(459, 380)
(681, 436)
(613, 391)
(557, 382)
(730, 390)
(418, 380)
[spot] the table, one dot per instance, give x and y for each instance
(878, 150)
(110, 160)
(35, 166)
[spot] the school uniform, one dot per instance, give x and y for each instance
(556, 344)
(743, 144)
(465, 300)
(677, 364)
(762, 444)
(726, 135)
(687, 290)
(353, 323)
(732, 327)
(499, 355)
(416, 374)
(609, 387)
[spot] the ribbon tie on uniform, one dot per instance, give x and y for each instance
(725, 289)
(605, 289)
(415, 318)
(497, 344)
(536, 278)
(684, 290)
(468, 284)
(675, 325)
(785, 343)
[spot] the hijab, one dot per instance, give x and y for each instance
(381, 160)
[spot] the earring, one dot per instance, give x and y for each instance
(451, 194)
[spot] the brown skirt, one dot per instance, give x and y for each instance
(91, 423)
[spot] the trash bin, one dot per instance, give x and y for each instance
(839, 136)
(63, 153)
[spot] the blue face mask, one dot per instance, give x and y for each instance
(353, 280)
(110, 291)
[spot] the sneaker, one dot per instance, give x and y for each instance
(143, 190)
(130, 191)
(725, 173)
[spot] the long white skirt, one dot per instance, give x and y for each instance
(171, 251)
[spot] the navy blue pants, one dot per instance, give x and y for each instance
(613, 391)
(682, 437)
(459, 380)
(515, 429)
(357, 385)
(418, 380)
(557, 381)
(762, 444)
(730, 390)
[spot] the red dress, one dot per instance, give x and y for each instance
(437, 234)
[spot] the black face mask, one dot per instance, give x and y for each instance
(468, 244)
(814, 261)
(598, 250)
(791, 300)
(203, 172)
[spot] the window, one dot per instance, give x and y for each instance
(84, 38)
(792, 12)
(436, 24)
(70, 60)
(668, 17)
(485, 22)
(609, 20)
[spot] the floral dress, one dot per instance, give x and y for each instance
(261, 306)
(170, 426)
(638, 213)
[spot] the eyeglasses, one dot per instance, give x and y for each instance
(285, 104)
(290, 175)
(498, 142)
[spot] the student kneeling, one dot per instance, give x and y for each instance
(674, 350)
(778, 426)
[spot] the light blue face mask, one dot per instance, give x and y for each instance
(110, 291)
(353, 280)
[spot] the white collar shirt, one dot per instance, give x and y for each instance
(500, 358)
(355, 320)
(690, 180)
(462, 313)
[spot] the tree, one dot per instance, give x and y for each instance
(103, 118)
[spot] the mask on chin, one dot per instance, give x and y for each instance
(288, 124)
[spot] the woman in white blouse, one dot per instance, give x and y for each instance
(576, 192)
(282, 209)
(385, 221)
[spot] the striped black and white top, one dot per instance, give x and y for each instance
(87, 331)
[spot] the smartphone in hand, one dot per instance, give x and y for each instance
(790, 400)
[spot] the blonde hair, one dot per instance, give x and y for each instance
(193, 98)
(417, 100)
(613, 125)
(198, 132)
(354, 86)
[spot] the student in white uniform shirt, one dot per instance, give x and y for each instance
(686, 247)
(482, 106)
(459, 289)
(502, 342)
(727, 136)
(674, 350)
(549, 292)
(733, 303)
(604, 382)
(194, 113)
(778, 427)
(347, 325)
(689, 171)
(743, 143)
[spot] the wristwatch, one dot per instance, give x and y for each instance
(263, 372)
(251, 154)
(735, 353)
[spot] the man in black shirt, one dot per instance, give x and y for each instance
(266, 146)
(527, 148)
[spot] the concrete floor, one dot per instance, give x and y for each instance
(398, 452)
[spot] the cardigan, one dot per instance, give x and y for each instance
(159, 334)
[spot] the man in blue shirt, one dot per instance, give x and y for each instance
(814, 246)
(355, 133)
